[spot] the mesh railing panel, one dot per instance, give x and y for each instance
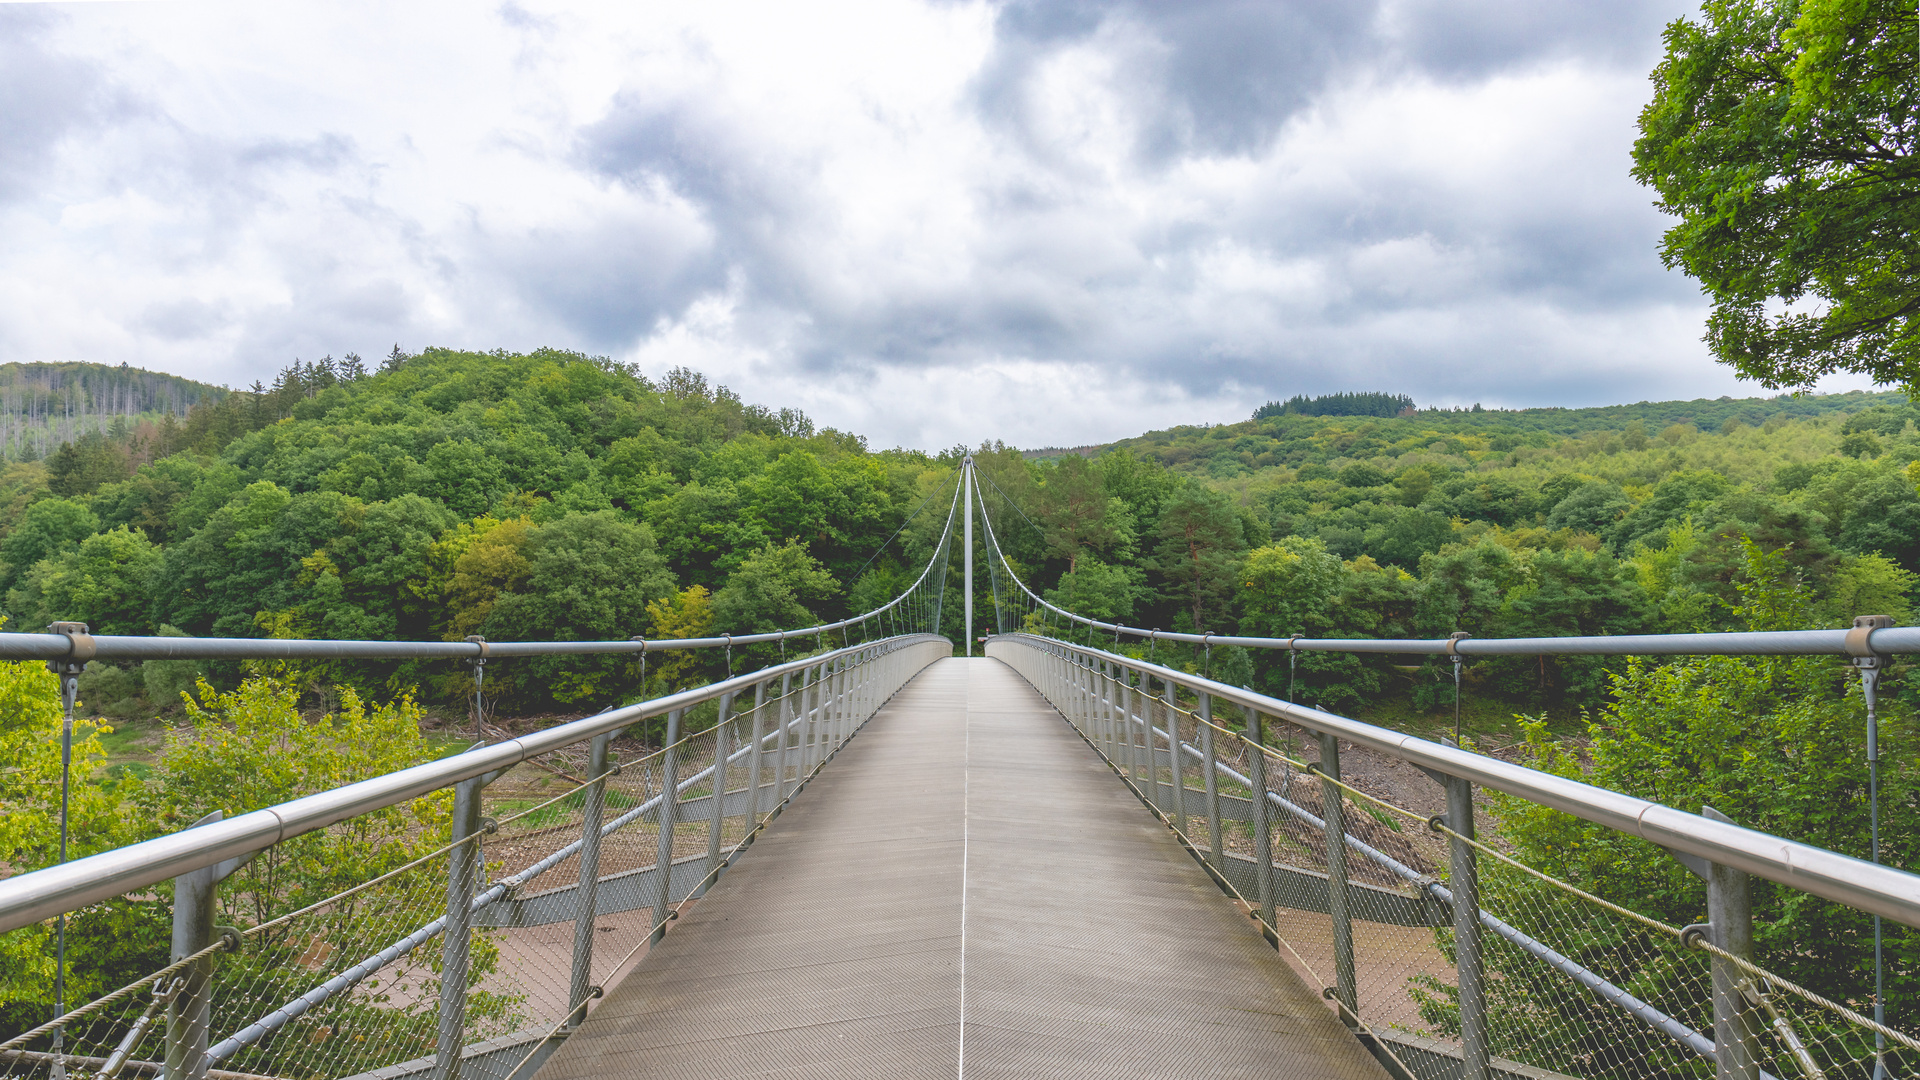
(349, 982)
(1574, 984)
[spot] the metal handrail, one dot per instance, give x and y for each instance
(1869, 887)
(41, 894)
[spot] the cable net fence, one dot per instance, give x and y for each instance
(572, 863)
(1573, 984)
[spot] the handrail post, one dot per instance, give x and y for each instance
(190, 1008)
(463, 877)
(1093, 701)
(1262, 817)
(669, 809)
(1177, 783)
(1730, 923)
(809, 705)
(753, 758)
(842, 702)
(1212, 780)
(718, 819)
(1080, 690)
(1079, 686)
(1093, 714)
(593, 806)
(780, 745)
(1333, 802)
(1463, 879)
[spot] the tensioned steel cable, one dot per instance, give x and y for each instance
(1861, 641)
(903, 528)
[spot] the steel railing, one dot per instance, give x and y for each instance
(1201, 778)
(603, 854)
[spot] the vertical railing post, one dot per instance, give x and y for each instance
(1212, 780)
(829, 709)
(1092, 705)
(1091, 708)
(722, 747)
(669, 810)
(592, 810)
(1073, 690)
(189, 1009)
(822, 717)
(759, 751)
(1334, 807)
(1080, 690)
(463, 877)
(1093, 715)
(835, 707)
(1262, 819)
(1177, 782)
(1463, 878)
(785, 715)
(868, 701)
(803, 725)
(1730, 922)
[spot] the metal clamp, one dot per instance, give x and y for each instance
(1694, 935)
(482, 642)
(1453, 644)
(1859, 640)
(230, 937)
(80, 648)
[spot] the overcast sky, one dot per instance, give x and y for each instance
(1050, 223)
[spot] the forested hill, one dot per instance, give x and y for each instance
(536, 496)
(552, 495)
(45, 405)
(1282, 433)
(1654, 517)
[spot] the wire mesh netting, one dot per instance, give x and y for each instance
(331, 952)
(1573, 984)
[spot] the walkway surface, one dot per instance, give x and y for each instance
(965, 891)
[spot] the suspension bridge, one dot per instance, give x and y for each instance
(892, 857)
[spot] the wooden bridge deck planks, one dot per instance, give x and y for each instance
(966, 890)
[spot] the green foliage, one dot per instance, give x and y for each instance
(1097, 590)
(589, 578)
(47, 529)
(1781, 135)
(1337, 405)
(1198, 553)
(30, 733)
(241, 750)
(1773, 742)
(775, 588)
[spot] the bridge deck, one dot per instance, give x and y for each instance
(965, 891)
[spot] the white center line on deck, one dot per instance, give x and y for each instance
(966, 822)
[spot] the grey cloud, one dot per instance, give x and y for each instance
(610, 285)
(1210, 76)
(1474, 38)
(182, 320)
(44, 97)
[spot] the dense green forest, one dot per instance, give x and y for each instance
(541, 496)
(1549, 521)
(43, 406)
(552, 495)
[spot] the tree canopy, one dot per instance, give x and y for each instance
(1782, 135)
